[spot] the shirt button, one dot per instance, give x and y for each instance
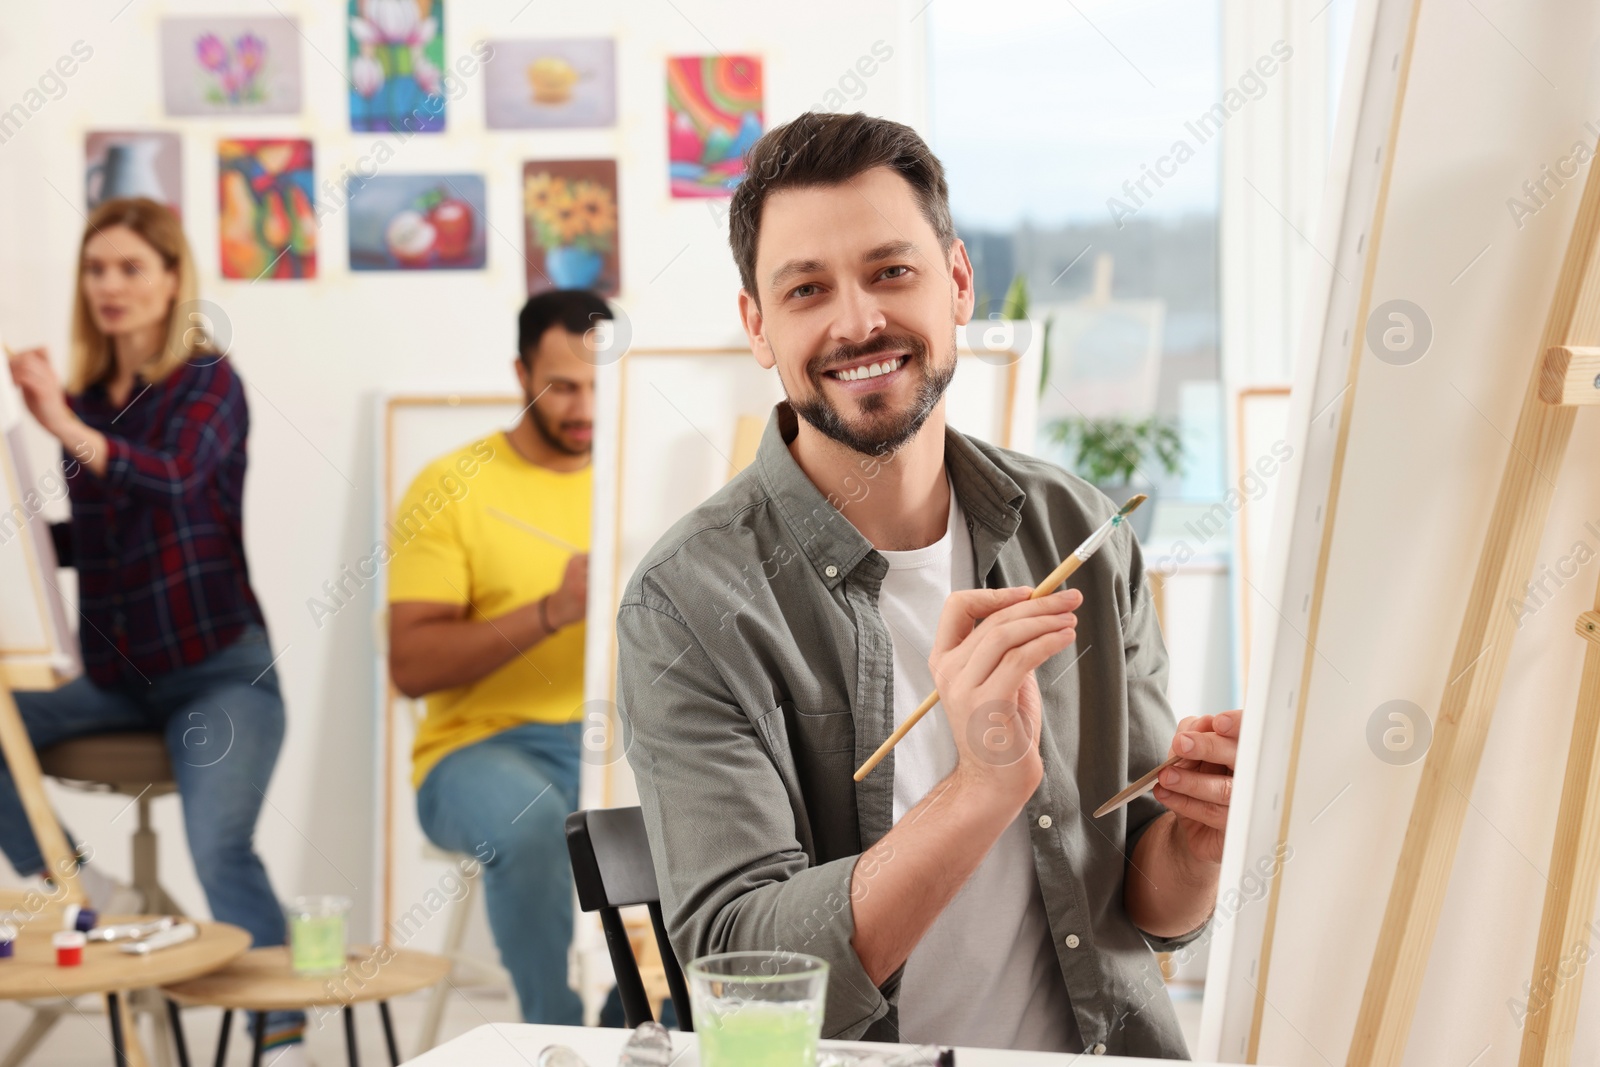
(1044, 822)
(831, 571)
(1072, 940)
(1100, 1049)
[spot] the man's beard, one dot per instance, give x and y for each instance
(886, 436)
(548, 434)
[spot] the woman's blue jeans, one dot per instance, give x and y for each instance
(223, 720)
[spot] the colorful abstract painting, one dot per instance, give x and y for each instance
(570, 222)
(551, 84)
(133, 163)
(396, 65)
(418, 222)
(231, 66)
(713, 116)
(267, 223)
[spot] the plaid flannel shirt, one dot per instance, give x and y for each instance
(158, 540)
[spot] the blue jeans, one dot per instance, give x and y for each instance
(505, 800)
(223, 720)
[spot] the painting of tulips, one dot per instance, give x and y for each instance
(570, 221)
(713, 116)
(230, 66)
(267, 226)
(396, 56)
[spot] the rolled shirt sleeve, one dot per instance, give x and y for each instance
(206, 426)
(732, 872)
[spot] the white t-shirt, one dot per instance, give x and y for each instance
(985, 975)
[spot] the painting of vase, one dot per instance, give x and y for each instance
(231, 66)
(418, 222)
(551, 84)
(133, 163)
(570, 222)
(267, 223)
(713, 116)
(396, 66)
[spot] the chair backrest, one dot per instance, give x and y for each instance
(612, 869)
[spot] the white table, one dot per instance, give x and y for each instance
(519, 1044)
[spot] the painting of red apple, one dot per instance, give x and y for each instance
(417, 222)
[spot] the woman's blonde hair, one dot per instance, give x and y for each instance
(92, 358)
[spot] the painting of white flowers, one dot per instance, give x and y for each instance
(396, 56)
(231, 66)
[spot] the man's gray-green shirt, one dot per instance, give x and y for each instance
(755, 673)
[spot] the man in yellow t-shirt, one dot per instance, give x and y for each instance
(486, 618)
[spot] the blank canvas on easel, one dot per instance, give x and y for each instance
(1424, 324)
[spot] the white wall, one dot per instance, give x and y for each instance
(314, 351)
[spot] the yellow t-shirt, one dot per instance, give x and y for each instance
(447, 546)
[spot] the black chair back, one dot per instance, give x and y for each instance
(612, 869)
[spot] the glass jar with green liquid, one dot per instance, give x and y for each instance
(758, 1009)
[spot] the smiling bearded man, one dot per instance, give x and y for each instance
(960, 893)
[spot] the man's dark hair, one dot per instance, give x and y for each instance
(821, 148)
(574, 310)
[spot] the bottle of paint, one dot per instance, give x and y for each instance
(69, 947)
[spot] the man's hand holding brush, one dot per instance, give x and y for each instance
(985, 678)
(1199, 787)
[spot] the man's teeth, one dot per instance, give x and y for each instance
(871, 370)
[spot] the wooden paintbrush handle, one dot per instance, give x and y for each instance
(1057, 576)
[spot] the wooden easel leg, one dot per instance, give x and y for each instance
(1566, 936)
(60, 864)
(1521, 509)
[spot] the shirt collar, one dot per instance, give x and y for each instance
(992, 500)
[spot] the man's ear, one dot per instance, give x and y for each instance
(754, 329)
(962, 287)
(524, 374)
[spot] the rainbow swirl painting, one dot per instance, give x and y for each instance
(713, 116)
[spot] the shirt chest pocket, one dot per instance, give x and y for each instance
(818, 732)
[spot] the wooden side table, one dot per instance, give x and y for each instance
(263, 980)
(32, 974)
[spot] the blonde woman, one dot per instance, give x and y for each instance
(152, 422)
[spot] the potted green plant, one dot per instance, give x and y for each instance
(1112, 453)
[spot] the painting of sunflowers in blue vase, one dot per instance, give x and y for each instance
(570, 215)
(267, 226)
(396, 66)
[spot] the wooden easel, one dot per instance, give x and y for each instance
(25, 668)
(60, 863)
(1566, 376)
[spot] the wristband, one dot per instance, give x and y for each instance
(544, 616)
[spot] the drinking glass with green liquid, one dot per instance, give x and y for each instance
(317, 933)
(758, 1009)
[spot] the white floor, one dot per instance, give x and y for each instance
(83, 1039)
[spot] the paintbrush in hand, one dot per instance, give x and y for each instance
(1069, 565)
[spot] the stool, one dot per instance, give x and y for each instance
(465, 970)
(131, 764)
(263, 980)
(134, 765)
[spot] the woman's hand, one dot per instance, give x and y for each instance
(47, 402)
(41, 390)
